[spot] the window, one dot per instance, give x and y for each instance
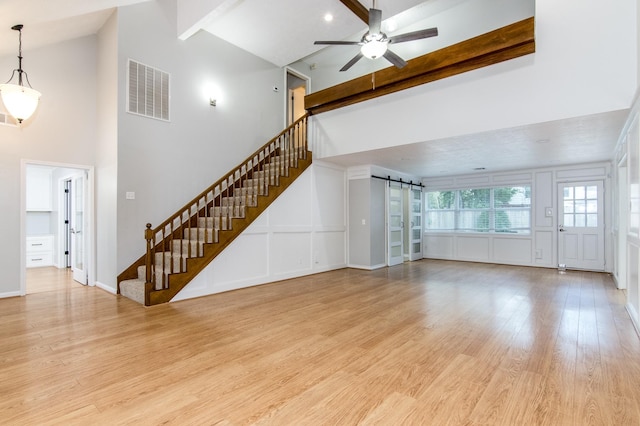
(440, 210)
(502, 209)
(581, 206)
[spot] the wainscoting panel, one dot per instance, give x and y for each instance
(438, 246)
(473, 248)
(301, 233)
(512, 250)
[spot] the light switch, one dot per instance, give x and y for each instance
(130, 195)
(364, 222)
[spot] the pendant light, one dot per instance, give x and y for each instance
(21, 101)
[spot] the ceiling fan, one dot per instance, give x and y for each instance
(374, 43)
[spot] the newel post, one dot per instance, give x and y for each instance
(148, 235)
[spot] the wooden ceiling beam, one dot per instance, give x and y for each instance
(500, 45)
(358, 9)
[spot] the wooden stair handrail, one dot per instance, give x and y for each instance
(181, 246)
(196, 199)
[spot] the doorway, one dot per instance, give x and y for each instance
(297, 88)
(56, 224)
(581, 225)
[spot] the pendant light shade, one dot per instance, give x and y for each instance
(21, 101)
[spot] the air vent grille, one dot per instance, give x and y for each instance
(148, 91)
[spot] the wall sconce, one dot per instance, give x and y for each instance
(212, 102)
(21, 101)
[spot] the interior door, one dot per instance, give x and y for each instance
(395, 224)
(415, 231)
(77, 228)
(581, 225)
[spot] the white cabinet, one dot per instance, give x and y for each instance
(39, 188)
(39, 251)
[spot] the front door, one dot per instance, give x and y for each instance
(581, 225)
(395, 225)
(77, 228)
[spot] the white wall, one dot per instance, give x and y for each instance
(575, 71)
(166, 164)
(63, 130)
(303, 232)
(106, 185)
(536, 249)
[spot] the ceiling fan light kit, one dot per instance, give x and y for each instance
(375, 43)
(21, 101)
(374, 46)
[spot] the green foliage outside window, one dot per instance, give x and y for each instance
(502, 209)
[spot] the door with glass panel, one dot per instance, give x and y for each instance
(77, 228)
(395, 225)
(581, 225)
(415, 225)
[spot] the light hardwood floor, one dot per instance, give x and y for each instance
(49, 279)
(425, 343)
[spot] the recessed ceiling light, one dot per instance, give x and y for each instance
(328, 17)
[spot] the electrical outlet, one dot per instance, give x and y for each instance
(130, 195)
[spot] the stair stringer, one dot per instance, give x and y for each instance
(211, 250)
(256, 258)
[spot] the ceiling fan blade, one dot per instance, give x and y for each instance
(415, 35)
(337, 42)
(375, 21)
(351, 62)
(395, 59)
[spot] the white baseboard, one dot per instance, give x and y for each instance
(9, 294)
(367, 267)
(106, 287)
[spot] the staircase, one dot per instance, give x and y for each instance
(185, 243)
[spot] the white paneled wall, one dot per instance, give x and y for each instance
(303, 232)
(626, 229)
(536, 249)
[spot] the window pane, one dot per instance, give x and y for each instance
(474, 220)
(440, 220)
(592, 220)
(580, 206)
(568, 206)
(580, 220)
(395, 207)
(580, 192)
(568, 220)
(415, 234)
(417, 221)
(568, 193)
(511, 219)
(394, 221)
(592, 192)
(517, 196)
(441, 200)
(592, 206)
(475, 198)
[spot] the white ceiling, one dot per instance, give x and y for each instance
(283, 31)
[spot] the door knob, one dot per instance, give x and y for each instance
(561, 228)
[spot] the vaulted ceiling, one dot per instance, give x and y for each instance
(283, 31)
